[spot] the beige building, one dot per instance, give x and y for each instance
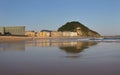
(43, 34)
(30, 33)
(69, 34)
(73, 34)
(56, 34)
(66, 34)
(79, 31)
(13, 30)
(50, 34)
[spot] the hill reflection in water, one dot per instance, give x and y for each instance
(74, 50)
(68, 46)
(59, 43)
(59, 57)
(77, 47)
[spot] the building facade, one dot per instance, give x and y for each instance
(1, 30)
(30, 33)
(43, 34)
(56, 34)
(17, 30)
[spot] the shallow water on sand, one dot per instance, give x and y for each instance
(63, 57)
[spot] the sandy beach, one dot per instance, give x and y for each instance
(14, 38)
(22, 38)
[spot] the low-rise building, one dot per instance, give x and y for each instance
(56, 34)
(43, 34)
(1, 30)
(73, 34)
(66, 34)
(15, 30)
(69, 34)
(30, 33)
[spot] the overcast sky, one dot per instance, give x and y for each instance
(102, 16)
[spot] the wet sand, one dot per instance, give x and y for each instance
(17, 38)
(59, 58)
(14, 38)
(22, 38)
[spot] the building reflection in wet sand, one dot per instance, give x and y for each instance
(67, 46)
(59, 57)
(13, 46)
(72, 48)
(59, 43)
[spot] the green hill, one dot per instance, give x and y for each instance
(79, 28)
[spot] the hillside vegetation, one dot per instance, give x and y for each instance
(81, 29)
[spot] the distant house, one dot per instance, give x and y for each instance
(43, 34)
(56, 34)
(69, 34)
(30, 33)
(16, 30)
(1, 30)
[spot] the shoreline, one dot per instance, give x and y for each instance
(14, 38)
(25, 38)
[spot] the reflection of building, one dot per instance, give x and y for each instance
(60, 43)
(12, 46)
(54, 43)
(72, 48)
